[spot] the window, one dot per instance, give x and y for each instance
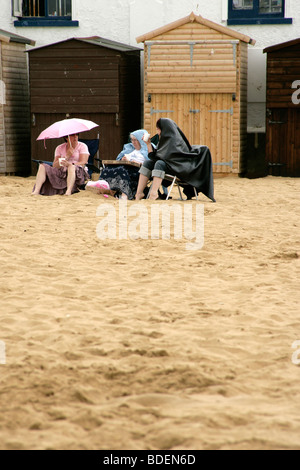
(43, 13)
(257, 12)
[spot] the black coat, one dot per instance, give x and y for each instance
(190, 163)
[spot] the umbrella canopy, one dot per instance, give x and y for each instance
(66, 127)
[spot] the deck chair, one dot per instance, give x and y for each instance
(38, 162)
(93, 146)
(154, 140)
(179, 183)
(174, 180)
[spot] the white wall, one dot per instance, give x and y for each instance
(120, 20)
(257, 69)
(124, 20)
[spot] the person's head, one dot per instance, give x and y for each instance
(73, 139)
(135, 142)
(136, 139)
(158, 127)
(169, 132)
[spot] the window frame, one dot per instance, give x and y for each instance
(252, 16)
(38, 21)
(17, 8)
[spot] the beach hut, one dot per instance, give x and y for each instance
(195, 72)
(14, 105)
(90, 78)
(283, 109)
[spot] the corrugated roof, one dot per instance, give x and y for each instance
(7, 36)
(192, 18)
(96, 41)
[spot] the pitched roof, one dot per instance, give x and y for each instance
(97, 41)
(283, 45)
(198, 19)
(7, 36)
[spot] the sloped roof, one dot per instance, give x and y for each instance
(7, 36)
(96, 41)
(283, 45)
(198, 19)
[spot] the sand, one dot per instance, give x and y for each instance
(142, 344)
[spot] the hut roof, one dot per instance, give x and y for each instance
(7, 36)
(283, 45)
(198, 19)
(97, 41)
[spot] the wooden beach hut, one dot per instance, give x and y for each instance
(195, 72)
(90, 78)
(283, 109)
(14, 105)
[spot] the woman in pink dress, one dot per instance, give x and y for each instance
(68, 172)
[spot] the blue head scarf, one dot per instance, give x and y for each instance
(128, 148)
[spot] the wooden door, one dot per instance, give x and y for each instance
(212, 126)
(293, 152)
(276, 141)
(205, 119)
(283, 142)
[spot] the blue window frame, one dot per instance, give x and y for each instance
(257, 12)
(43, 13)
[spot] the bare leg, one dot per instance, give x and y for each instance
(143, 180)
(70, 179)
(40, 180)
(155, 187)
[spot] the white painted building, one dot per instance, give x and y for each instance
(269, 22)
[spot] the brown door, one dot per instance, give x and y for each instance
(293, 163)
(277, 141)
(283, 142)
(206, 119)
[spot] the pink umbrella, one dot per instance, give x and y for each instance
(66, 127)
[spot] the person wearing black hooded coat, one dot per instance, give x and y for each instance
(174, 155)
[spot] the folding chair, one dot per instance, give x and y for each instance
(43, 161)
(176, 181)
(167, 190)
(93, 146)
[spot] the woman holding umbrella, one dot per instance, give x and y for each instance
(68, 172)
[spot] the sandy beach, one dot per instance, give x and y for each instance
(142, 344)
